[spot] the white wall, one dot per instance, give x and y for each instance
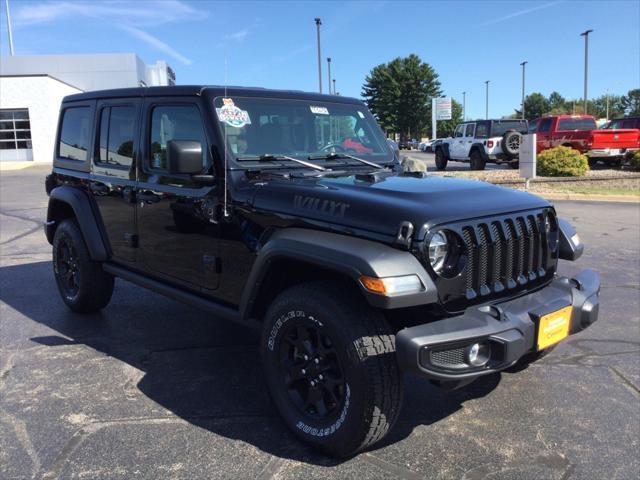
(42, 96)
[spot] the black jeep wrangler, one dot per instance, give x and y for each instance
(288, 211)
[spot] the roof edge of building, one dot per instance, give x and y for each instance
(40, 75)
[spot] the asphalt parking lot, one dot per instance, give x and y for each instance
(151, 388)
(430, 160)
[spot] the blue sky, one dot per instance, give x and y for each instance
(272, 44)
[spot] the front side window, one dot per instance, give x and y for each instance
(174, 122)
(253, 126)
(117, 128)
(75, 133)
(15, 129)
(580, 124)
(533, 125)
(459, 131)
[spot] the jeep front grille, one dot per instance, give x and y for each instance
(505, 253)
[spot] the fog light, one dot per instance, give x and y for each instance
(478, 354)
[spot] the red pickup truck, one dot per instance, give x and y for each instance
(581, 133)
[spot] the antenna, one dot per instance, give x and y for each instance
(225, 212)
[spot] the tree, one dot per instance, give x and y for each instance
(556, 100)
(535, 105)
(630, 102)
(399, 94)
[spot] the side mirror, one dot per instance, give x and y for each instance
(184, 156)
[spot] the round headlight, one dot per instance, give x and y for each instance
(438, 250)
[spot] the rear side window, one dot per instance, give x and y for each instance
(117, 128)
(482, 130)
(470, 130)
(545, 125)
(631, 123)
(75, 133)
(174, 122)
(577, 124)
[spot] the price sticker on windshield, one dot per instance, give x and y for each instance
(319, 110)
(232, 115)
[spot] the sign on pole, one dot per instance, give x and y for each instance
(440, 110)
(443, 108)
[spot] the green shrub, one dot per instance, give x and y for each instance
(633, 159)
(562, 162)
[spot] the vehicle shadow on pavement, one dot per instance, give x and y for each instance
(204, 371)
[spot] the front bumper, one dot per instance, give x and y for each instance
(436, 350)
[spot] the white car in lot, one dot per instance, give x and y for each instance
(483, 141)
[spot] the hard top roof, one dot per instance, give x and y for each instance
(212, 90)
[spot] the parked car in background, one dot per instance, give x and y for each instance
(408, 144)
(483, 141)
(581, 133)
(627, 122)
(431, 146)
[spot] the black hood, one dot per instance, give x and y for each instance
(379, 205)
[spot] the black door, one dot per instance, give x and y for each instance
(178, 236)
(113, 173)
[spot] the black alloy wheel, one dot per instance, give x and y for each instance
(67, 268)
(311, 371)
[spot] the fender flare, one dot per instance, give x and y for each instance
(349, 256)
(480, 148)
(445, 149)
(83, 210)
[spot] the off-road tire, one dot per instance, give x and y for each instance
(441, 159)
(363, 345)
(508, 144)
(93, 286)
(476, 161)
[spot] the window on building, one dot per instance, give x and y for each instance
(116, 135)
(15, 129)
(174, 122)
(74, 134)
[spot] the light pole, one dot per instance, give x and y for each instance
(318, 23)
(334, 86)
(486, 101)
(523, 64)
(585, 34)
(329, 74)
(464, 104)
(607, 97)
(9, 28)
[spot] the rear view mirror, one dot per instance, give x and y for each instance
(184, 156)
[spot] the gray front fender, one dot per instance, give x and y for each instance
(347, 255)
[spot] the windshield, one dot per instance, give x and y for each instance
(299, 128)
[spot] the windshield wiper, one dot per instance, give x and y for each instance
(334, 156)
(267, 157)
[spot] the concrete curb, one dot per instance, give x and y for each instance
(589, 197)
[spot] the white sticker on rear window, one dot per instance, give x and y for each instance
(319, 110)
(232, 115)
(360, 114)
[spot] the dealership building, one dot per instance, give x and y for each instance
(32, 87)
